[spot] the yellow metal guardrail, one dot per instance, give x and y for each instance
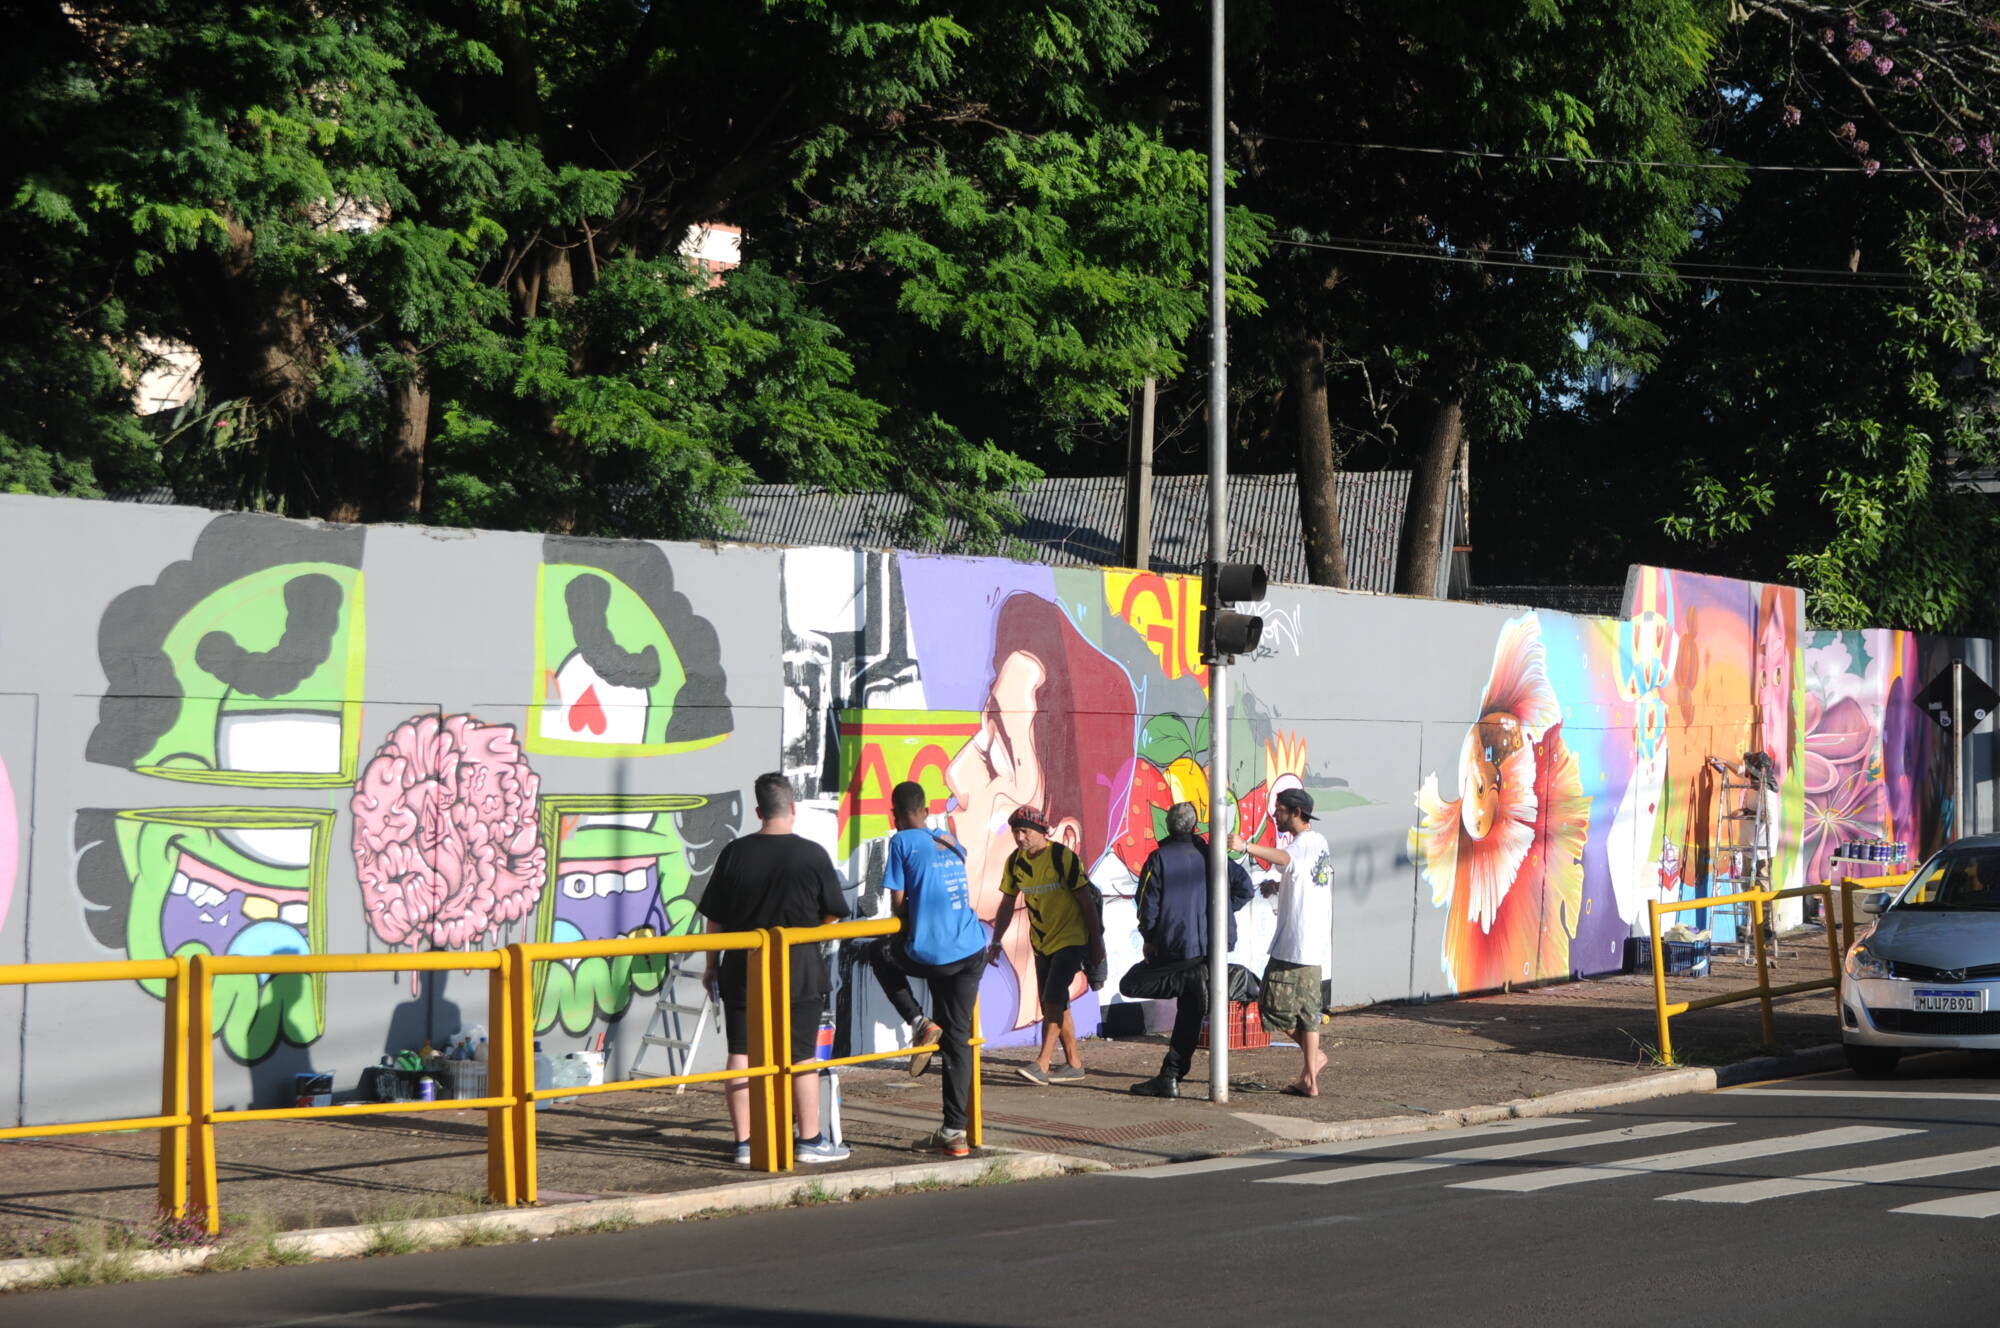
(500, 1176)
(1868, 884)
(781, 983)
(188, 1115)
(766, 1134)
(174, 1119)
(1763, 991)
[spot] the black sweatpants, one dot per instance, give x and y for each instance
(1191, 1007)
(954, 989)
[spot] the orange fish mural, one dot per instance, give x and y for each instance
(1505, 856)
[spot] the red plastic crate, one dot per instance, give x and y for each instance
(1246, 1027)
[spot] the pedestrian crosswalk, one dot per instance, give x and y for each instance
(1531, 1156)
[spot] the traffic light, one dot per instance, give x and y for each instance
(1225, 633)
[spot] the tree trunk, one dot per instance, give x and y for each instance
(258, 344)
(402, 494)
(1421, 552)
(1319, 502)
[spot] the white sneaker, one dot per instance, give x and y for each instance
(826, 1150)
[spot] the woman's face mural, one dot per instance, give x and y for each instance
(1056, 732)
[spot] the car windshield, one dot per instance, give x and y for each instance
(1969, 879)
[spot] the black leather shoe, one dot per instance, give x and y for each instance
(1160, 1085)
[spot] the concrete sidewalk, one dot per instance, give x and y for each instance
(1395, 1067)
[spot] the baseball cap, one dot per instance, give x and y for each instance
(1028, 818)
(1299, 801)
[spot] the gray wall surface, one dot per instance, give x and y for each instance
(237, 733)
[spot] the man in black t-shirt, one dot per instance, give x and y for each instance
(774, 878)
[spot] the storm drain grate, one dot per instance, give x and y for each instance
(1100, 1134)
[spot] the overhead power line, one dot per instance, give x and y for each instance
(1514, 259)
(1685, 266)
(1624, 161)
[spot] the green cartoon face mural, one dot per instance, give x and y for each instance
(618, 867)
(241, 665)
(265, 666)
(241, 881)
(624, 667)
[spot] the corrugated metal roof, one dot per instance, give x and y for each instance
(1077, 522)
(1596, 601)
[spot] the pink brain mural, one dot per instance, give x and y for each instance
(446, 842)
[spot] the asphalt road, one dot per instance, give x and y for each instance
(1827, 1200)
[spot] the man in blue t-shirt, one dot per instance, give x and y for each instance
(943, 942)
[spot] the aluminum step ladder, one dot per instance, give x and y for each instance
(676, 1026)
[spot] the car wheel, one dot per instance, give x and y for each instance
(1872, 1062)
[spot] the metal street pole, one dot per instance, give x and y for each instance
(1218, 552)
(1959, 751)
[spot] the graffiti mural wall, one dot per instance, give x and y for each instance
(235, 734)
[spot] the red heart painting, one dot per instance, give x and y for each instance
(587, 713)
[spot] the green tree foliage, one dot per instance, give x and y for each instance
(430, 255)
(1427, 292)
(1821, 432)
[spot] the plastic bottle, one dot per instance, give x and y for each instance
(479, 1052)
(545, 1067)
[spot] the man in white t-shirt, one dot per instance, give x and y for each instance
(1302, 947)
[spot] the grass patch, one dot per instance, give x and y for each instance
(601, 1224)
(418, 1207)
(1650, 1054)
(996, 1172)
(926, 1185)
(475, 1234)
(252, 1242)
(808, 1195)
(387, 1239)
(92, 1253)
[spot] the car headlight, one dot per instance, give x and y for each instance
(1864, 963)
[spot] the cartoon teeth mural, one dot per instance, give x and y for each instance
(620, 868)
(219, 880)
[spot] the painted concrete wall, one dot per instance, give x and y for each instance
(245, 734)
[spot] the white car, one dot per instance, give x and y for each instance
(1926, 975)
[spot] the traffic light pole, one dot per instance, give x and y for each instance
(1218, 553)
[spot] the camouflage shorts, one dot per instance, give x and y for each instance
(1291, 999)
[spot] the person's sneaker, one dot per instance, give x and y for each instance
(820, 1150)
(1160, 1085)
(1066, 1074)
(1033, 1073)
(743, 1154)
(952, 1143)
(927, 1033)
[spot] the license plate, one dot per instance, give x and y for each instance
(1950, 1002)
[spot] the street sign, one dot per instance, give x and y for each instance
(1980, 700)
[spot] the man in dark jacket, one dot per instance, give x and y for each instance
(1173, 922)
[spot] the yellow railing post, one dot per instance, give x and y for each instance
(1846, 917)
(201, 1094)
(521, 1053)
(975, 1115)
(1763, 968)
(1660, 985)
(500, 1176)
(781, 1044)
(760, 1011)
(1832, 944)
(174, 1094)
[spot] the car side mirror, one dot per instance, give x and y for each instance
(1875, 904)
